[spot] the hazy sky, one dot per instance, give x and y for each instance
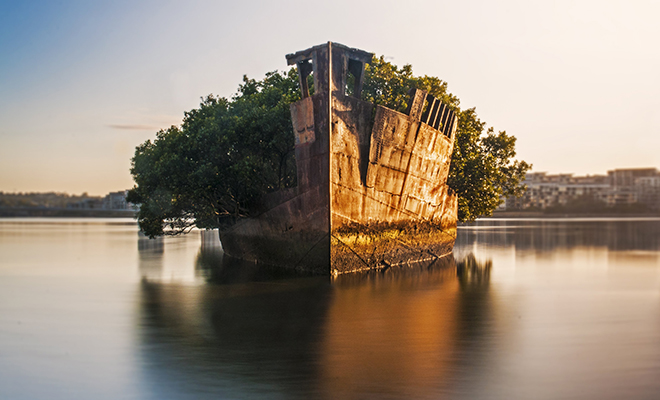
(82, 83)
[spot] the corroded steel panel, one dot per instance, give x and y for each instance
(302, 117)
(405, 186)
(372, 187)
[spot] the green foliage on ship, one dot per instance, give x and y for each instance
(483, 165)
(210, 171)
(226, 154)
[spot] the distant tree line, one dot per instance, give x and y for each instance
(590, 204)
(48, 199)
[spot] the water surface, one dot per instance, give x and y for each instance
(540, 309)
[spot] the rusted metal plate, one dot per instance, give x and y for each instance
(302, 117)
(372, 187)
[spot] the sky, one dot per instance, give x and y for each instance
(82, 83)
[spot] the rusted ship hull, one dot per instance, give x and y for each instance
(372, 187)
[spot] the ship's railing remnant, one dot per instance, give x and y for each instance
(433, 112)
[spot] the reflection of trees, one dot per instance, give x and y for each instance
(149, 247)
(473, 274)
(218, 268)
(549, 234)
(233, 340)
(475, 316)
(404, 331)
(150, 257)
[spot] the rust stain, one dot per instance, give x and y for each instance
(372, 189)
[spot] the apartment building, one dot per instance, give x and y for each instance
(618, 187)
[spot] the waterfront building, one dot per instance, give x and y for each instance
(544, 190)
(648, 191)
(92, 203)
(626, 186)
(620, 187)
(115, 201)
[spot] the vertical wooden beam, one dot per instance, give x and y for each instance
(416, 103)
(445, 119)
(434, 112)
(441, 111)
(429, 101)
(452, 126)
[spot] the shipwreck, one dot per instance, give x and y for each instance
(372, 189)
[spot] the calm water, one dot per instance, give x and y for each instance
(541, 309)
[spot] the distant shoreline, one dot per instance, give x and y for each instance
(551, 215)
(10, 212)
(64, 212)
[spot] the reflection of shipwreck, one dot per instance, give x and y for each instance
(371, 181)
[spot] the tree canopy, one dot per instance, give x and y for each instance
(228, 153)
(225, 155)
(483, 165)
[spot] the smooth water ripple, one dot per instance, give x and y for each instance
(543, 309)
